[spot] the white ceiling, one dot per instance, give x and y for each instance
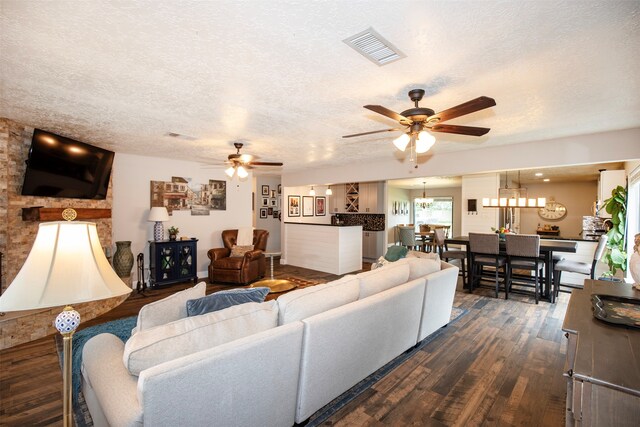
(276, 74)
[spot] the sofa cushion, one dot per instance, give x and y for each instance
(380, 279)
(424, 255)
(420, 267)
(394, 253)
(303, 303)
(240, 250)
(169, 309)
(223, 299)
(157, 345)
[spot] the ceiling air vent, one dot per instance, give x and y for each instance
(374, 47)
(181, 136)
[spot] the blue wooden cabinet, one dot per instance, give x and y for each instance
(173, 261)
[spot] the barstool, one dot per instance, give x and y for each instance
(447, 254)
(485, 251)
(523, 253)
(577, 267)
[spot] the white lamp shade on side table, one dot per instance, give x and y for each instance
(158, 215)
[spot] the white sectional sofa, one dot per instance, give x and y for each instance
(267, 364)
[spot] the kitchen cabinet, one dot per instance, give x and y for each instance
(173, 261)
(372, 242)
(607, 182)
(369, 197)
(352, 199)
(337, 199)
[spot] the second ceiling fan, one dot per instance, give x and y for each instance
(418, 121)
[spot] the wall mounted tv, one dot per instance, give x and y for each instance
(62, 167)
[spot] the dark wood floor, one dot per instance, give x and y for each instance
(501, 364)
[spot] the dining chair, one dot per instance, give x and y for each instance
(427, 244)
(523, 253)
(485, 252)
(407, 236)
(577, 267)
(447, 254)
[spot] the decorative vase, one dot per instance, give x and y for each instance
(123, 259)
(173, 237)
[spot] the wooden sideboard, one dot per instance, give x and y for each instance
(602, 363)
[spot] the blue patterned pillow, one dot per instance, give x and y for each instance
(223, 299)
(394, 253)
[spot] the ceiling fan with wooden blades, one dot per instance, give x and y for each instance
(241, 162)
(418, 121)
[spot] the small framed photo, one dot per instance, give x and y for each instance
(265, 201)
(274, 202)
(279, 188)
(263, 213)
(321, 204)
(265, 190)
(294, 205)
(269, 211)
(307, 206)
(275, 214)
(273, 194)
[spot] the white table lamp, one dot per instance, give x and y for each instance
(159, 215)
(66, 265)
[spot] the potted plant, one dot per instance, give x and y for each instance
(615, 255)
(173, 232)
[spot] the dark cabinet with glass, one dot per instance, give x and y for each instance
(173, 261)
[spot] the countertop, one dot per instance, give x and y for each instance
(572, 238)
(321, 225)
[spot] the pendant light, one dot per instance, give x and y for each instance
(329, 192)
(424, 202)
(312, 192)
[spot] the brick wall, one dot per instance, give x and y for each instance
(17, 236)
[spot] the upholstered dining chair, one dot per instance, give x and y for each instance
(523, 253)
(238, 265)
(447, 254)
(407, 236)
(485, 252)
(577, 267)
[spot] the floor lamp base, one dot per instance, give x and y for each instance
(66, 323)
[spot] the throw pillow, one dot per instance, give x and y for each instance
(425, 255)
(240, 250)
(223, 299)
(193, 334)
(394, 253)
(169, 309)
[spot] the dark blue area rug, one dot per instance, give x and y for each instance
(120, 328)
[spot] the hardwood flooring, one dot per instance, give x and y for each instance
(500, 364)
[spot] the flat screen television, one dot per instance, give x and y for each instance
(62, 167)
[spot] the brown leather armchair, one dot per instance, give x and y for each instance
(238, 270)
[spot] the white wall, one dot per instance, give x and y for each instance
(612, 146)
(477, 187)
(395, 194)
(131, 203)
(271, 224)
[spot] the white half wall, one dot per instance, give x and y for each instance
(131, 204)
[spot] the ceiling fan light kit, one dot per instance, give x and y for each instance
(420, 121)
(241, 162)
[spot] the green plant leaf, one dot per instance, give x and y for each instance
(617, 256)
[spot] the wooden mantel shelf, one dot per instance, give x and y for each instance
(38, 213)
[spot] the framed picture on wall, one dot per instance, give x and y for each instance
(263, 213)
(275, 214)
(273, 194)
(274, 202)
(294, 205)
(307, 205)
(265, 201)
(265, 190)
(269, 211)
(321, 204)
(279, 188)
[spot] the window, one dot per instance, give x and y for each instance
(633, 214)
(439, 212)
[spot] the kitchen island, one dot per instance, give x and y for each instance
(335, 249)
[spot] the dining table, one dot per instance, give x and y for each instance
(425, 236)
(547, 249)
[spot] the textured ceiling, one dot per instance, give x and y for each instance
(276, 74)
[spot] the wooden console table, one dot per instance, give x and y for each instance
(603, 362)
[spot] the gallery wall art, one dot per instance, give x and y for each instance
(184, 194)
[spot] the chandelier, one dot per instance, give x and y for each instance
(513, 197)
(424, 202)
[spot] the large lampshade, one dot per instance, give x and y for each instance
(158, 214)
(65, 266)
